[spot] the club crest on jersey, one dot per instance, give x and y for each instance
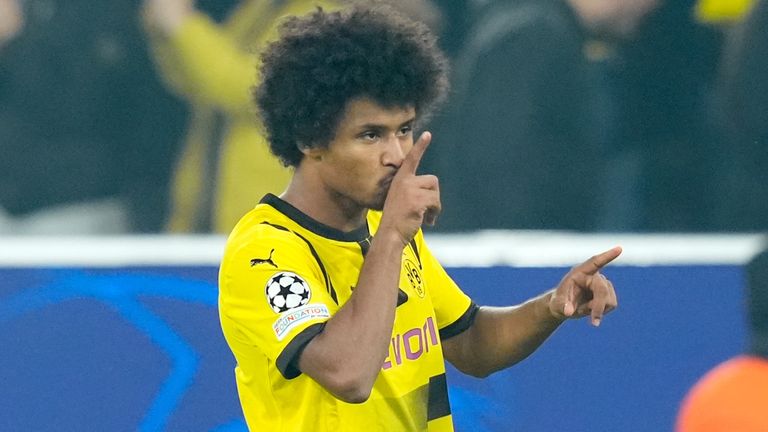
(286, 291)
(413, 274)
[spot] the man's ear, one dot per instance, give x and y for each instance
(311, 152)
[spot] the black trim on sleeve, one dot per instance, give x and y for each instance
(288, 360)
(415, 251)
(464, 322)
(438, 404)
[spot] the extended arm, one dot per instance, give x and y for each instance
(501, 337)
(347, 355)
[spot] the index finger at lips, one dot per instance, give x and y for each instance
(413, 158)
(597, 262)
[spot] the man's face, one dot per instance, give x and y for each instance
(371, 142)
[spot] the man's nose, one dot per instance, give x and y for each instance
(394, 151)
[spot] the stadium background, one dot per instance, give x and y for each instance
(122, 334)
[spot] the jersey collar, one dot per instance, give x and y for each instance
(306, 222)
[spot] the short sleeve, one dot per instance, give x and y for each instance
(272, 296)
(454, 310)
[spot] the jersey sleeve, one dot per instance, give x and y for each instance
(272, 296)
(454, 310)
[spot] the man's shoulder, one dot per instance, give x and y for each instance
(263, 227)
(258, 250)
(262, 220)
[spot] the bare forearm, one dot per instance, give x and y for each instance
(366, 320)
(501, 337)
(350, 351)
(348, 355)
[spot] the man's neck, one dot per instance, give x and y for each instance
(323, 205)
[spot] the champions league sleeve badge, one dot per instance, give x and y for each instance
(288, 295)
(286, 291)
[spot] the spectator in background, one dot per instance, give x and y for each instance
(734, 395)
(86, 130)
(454, 24)
(524, 139)
(225, 167)
(664, 147)
(742, 197)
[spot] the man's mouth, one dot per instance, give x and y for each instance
(386, 182)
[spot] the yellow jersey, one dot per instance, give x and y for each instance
(283, 275)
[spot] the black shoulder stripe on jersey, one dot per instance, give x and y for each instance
(402, 297)
(312, 225)
(288, 360)
(280, 227)
(416, 252)
(464, 322)
(438, 404)
(328, 283)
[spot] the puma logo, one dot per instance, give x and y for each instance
(268, 260)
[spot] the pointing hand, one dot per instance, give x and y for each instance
(585, 291)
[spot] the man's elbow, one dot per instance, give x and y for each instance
(481, 373)
(353, 390)
(474, 370)
(348, 381)
(468, 363)
(484, 368)
(354, 396)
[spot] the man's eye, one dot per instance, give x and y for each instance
(405, 130)
(369, 136)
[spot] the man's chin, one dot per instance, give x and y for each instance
(378, 203)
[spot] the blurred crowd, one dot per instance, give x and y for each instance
(135, 116)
